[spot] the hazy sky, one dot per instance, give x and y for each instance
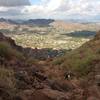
(57, 9)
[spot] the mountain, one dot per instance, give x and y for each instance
(83, 64)
(75, 26)
(57, 24)
(84, 61)
(35, 22)
(23, 78)
(8, 21)
(39, 22)
(74, 76)
(14, 2)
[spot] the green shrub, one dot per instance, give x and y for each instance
(31, 61)
(58, 61)
(7, 79)
(79, 61)
(8, 52)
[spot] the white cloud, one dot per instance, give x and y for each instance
(53, 4)
(32, 9)
(46, 7)
(3, 9)
(59, 9)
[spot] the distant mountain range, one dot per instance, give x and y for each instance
(57, 24)
(38, 22)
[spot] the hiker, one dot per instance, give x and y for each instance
(68, 75)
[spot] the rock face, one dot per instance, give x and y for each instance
(14, 2)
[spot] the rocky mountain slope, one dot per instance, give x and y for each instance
(83, 60)
(70, 77)
(84, 64)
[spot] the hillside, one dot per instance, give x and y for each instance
(84, 65)
(84, 60)
(24, 78)
(74, 76)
